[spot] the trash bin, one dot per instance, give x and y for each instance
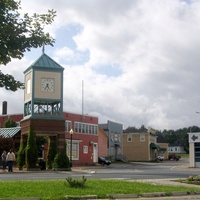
(42, 164)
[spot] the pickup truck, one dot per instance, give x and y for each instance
(174, 157)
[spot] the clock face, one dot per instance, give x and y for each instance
(47, 84)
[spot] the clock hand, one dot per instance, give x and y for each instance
(47, 86)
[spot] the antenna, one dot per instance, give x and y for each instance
(82, 100)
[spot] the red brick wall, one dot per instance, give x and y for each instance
(102, 143)
(16, 118)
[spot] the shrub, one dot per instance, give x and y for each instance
(61, 160)
(52, 150)
(31, 150)
(76, 183)
(21, 154)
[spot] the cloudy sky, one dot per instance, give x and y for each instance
(136, 61)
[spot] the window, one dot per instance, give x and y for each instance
(129, 138)
(116, 137)
(142, 138)
(83, 128)
(86, 128)
(85, 149)
(95, 130)
(67, 126)
(75, 150)
(76, 127)
(112, 136)
(90, 129)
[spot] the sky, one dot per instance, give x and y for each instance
(134, 62)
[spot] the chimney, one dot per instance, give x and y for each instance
(4, 108)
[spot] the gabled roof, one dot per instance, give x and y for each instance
(9, 132)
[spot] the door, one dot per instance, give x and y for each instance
(95, 152)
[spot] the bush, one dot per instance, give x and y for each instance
(52, 150)
(31, 150)
(61, 160)
(76, 183)
(21, 154)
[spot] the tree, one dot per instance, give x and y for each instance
(9, 123)
(21, 153)
(52, 151)
(19, 34)
(31, 154)
(61, 160)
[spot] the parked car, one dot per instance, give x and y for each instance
(160, 158)
(174, 157)
(104, 161)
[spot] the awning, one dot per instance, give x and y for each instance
(9, 132)
(154, 146)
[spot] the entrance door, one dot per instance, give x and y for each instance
(95, 152)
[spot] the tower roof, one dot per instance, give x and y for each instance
(44, 61)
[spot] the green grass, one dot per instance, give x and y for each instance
(183, 155)
(57, 189)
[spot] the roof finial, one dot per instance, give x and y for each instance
(43, 49)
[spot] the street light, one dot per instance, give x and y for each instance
(71, 133)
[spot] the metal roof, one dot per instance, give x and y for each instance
(46, 61)
(9, 132)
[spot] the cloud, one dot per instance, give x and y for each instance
(139, 59)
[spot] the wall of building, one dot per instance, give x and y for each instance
(138, 148)
(114, 132)
(176, 149)
(165, 152)
(102, 143)
(87, 142)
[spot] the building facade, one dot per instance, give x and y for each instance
(85, 138)
(140, 146)
(114, 132)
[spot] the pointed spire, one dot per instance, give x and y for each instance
(43, 49)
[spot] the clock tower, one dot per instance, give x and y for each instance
(43, 95)
(43, 100)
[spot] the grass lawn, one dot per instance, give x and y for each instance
(183, 155)
(57, 189)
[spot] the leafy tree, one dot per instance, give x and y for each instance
(31, 150)
(19, 34)
(9, 123)
(133, 129)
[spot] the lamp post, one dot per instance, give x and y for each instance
(71, 133)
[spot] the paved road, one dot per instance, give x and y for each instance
(131, 171)
(197, 197)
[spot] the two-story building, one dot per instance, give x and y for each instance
(141, 146)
